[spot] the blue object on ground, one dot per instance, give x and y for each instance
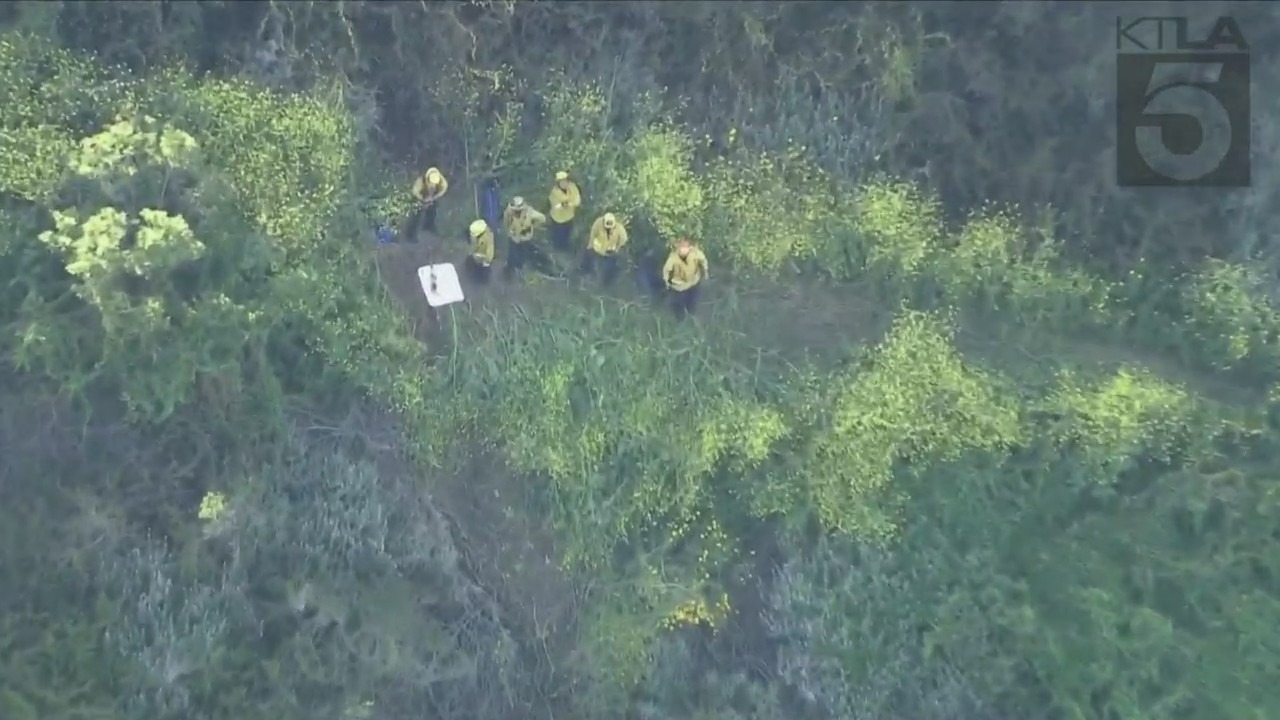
(384, 235)
(491, 202)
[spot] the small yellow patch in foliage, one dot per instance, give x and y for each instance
(213, 506)
(698, 612)
(690, 599)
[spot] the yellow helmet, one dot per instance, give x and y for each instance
(610, 220)
(433, 175)
(562, 175)
(478, 228)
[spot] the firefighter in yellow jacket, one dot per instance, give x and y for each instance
(520, 221)
(683, 274)
(565, 199)
(428, 188)
(607, 238)
(480, 259)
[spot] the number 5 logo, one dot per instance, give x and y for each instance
(1171, 99)
(1183, 120)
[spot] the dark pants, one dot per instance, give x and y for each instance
(683, 302)
(477, 272)
(491, 202)
(608, 265)
(520, 254)
(650, 276)
(560, 233)
(423, 219)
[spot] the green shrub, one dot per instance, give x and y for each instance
(983, 255)
(768, 211)
(124, 265)
(50, 99)
(660, 177)
(900, 226)
(1132, 414)
(1231, 319)
(914, 402)
(1047, 293)
(287, 157)
(576, 136)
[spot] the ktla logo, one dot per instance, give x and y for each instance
(1182, 105)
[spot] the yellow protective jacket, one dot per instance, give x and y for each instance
(425, 191)
(520, 225)
(482, 248)
(682, 273)
(607, 241)
(564, 203)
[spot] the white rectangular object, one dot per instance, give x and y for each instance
(440, 284)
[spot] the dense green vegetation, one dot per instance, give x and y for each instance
(961, 431)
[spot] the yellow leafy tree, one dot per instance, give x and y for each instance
(123, 264)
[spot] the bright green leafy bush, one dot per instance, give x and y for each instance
(913, 403)
(900, 226)
(1131, 414)
(49, 98)
(769, 210)
(576, 136)
(1231, 316)
(662, 180)
(125, 266)
(985, 250)
(288, 157)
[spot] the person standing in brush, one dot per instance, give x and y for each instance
(683, 273)
(607, 238)
(520, 221)
(565, 199)
(428, 188)
(480, 259)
